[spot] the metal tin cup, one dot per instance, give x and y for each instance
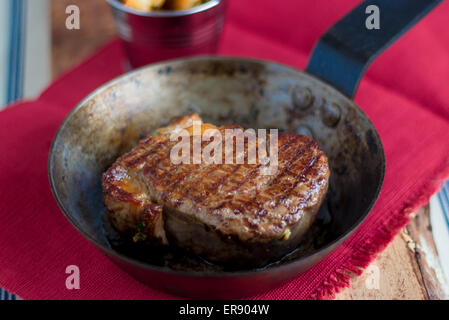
(161, 35)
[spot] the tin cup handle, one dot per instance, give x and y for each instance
(345, 51)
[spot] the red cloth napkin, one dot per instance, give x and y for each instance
(404, 93)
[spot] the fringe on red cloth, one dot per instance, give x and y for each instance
(378, 241)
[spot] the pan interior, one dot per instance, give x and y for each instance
(254, 94)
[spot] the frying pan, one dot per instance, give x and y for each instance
(253, 93)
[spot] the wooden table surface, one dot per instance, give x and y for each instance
(401, 271)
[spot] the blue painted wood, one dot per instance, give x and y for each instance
(443, 196)
(5, 295)
(16, 69)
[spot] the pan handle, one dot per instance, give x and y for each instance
(345, 51)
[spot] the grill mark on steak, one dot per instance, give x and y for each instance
(225, 213)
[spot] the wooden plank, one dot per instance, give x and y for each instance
(70, 47)
(409, 267)
(393, 275)
(426, 255)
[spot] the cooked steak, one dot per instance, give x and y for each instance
(227, 213)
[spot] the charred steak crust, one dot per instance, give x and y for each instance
(227, 213)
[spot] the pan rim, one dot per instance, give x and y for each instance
(208, 274)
